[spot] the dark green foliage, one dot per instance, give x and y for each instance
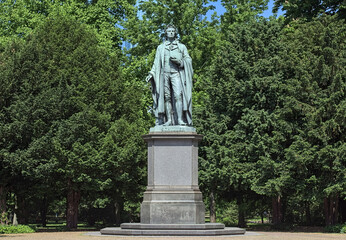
(339, 228)
(227, 213)
(243, 91)
(66, 97)
(58, 98)
(314, 66)
(276, 118)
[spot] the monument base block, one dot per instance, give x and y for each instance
(172, 206)
(172, 203)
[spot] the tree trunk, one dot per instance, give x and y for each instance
(117, 212)
(262, 217)
(342, 204)
(43, 211)
(241, 212)
(3, 206)
(212, 208)
(91, 218)
(14, 221)
(307, 213)
(73, 198)
(331, 210)
(22, 211)
(277, 210)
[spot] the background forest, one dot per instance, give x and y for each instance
(269, 98)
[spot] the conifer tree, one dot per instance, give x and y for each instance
(66, 94)
(314, 69)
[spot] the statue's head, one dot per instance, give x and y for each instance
(171, 31)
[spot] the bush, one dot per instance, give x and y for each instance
(8, 229)
(343, 229)
(229, 221)
(338, 228)
(227, 214)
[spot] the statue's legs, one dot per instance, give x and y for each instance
(178, 97)
(179, 107)
(173, 87)
(168, 107)
(168, 100)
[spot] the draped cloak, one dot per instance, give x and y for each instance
(185, 72)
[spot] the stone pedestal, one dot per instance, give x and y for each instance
(172, 195)
(172, 203)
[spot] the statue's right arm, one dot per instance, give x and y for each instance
(156, 61)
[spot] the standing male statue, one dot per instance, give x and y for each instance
(171, 79)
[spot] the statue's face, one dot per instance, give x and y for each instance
(170, 32)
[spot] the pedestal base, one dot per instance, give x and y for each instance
(172, 204)
(139, 229)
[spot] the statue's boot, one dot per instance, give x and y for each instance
(179, 107)
(168, 114)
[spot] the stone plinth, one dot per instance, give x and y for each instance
(172, 195)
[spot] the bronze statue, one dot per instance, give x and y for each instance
(171, 79)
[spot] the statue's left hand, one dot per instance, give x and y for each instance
(149, 77)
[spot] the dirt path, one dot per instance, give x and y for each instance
(248, 236)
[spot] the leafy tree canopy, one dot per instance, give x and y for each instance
(308, 9)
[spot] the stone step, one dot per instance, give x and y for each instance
(173, 226)
(171, 232)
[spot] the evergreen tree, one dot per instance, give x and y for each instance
(243, 139)
(274, 123)
(314, 69)
(66, 94)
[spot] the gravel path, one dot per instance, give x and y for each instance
(96, 236)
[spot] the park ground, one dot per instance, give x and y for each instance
(96, 236)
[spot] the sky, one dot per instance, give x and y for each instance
(220, 9)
